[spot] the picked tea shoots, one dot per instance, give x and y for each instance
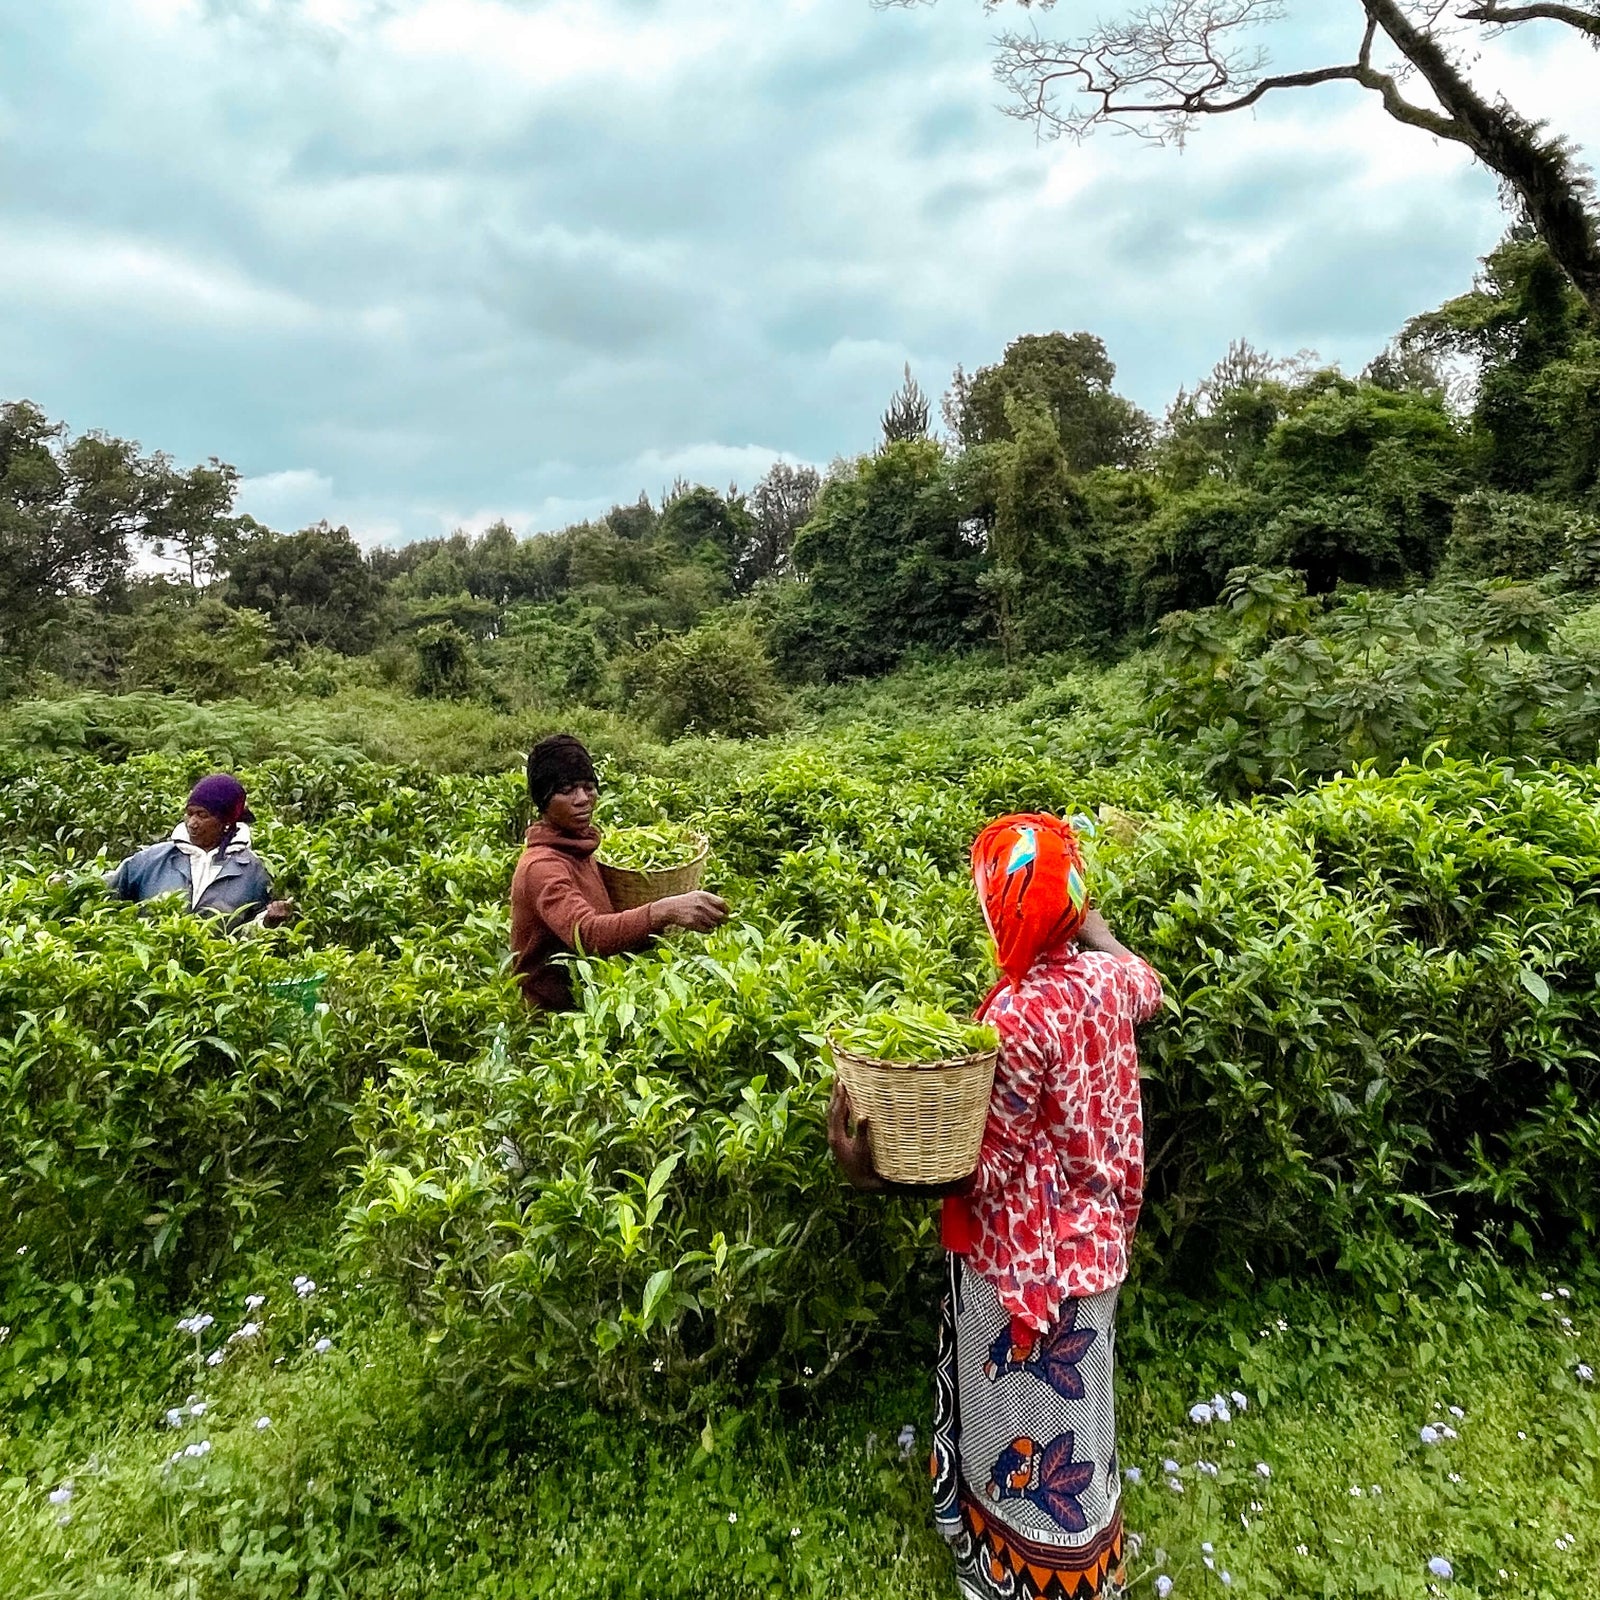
(660, 847)
(914, 1032)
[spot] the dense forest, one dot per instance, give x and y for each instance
(1048, 515)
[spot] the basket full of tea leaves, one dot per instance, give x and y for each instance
(649, 863)
(921, 1078)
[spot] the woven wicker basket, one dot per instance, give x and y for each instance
(628, 888)
(927, 1119)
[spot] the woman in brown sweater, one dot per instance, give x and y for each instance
(558, 898)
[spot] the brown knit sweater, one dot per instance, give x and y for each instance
(559, 902)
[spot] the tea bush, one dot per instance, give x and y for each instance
(1379, 1026)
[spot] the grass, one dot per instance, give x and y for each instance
(361, 1486)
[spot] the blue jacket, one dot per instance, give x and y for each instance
(241, 888)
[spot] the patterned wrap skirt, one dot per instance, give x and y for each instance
(1026, 1484)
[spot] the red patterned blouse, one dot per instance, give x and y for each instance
(1060, 1177)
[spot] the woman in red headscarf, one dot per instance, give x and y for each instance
(1027, 1487)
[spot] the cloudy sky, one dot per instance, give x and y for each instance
(415, 264)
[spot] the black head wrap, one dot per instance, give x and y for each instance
(557, 763)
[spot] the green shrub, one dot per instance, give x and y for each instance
(1495, 535)
(714, 679)
(1273, 689)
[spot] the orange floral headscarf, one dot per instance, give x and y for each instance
(1030, 881)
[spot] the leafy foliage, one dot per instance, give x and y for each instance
(888, 566)
(1069, 375)
(1273, 688)
(1380, 1021)
(313, 584)
(714, 679)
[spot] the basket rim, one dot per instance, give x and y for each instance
(943, 1064)
(656, 872)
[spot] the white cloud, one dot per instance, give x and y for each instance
(716, 465)
(293, 495)
(296, 497)
(558, 41)
(51, 266)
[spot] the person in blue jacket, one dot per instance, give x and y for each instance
(208, 860)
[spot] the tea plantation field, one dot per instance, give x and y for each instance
(474, 1305)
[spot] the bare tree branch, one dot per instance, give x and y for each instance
(1166, 63)
(1509, 16)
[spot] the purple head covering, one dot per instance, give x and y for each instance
(223, 796)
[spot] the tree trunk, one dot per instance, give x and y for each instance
(1539, 170)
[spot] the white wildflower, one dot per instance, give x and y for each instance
(198, 1409)
(1133, 1475)
(907, 1440)
(733, 1516)
(1209, 1468)
(1263, 1470)
(1447, 1432)
(1441, 1568)
(262, 1424)
(248, 1330)
(1169, 1465)
(215, 1359)
(1241, 1402)
(1546, 1295)
(794, 1533)
(1163, 1587)
(1428, 1434)
(254, 1302)
(1457, 1413)
(1175, 1485)
(1226, 1576)
(1566, 1294)
(1200, 1414)
(305, 1288)
(323, 1346)
(1207, 1548)
(1302, 1549)
(1584, 1373)
(176, 1417)
(1355, 1491)
(61, 1496)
